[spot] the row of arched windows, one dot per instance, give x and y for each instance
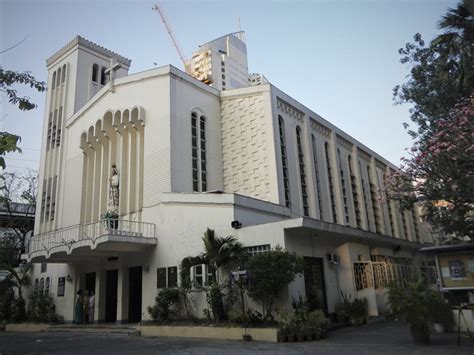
(59, 77)
(198, 152)
(99, 74)
(42, 286)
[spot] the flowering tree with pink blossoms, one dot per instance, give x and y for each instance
(439, 173)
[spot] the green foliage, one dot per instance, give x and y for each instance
(7, 297)
(302, 322)
(19, 310)
(440, 89)
(161, 310)
(269, 273)
(41, 308)
(214, 300)
(441, 73)
(441, 311)
(9, 78)
(355, 311)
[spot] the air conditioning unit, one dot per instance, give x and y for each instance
(332, 258)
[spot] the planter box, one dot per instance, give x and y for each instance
(225, 333)
(26, 327)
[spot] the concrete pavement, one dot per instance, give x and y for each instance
(376, 338)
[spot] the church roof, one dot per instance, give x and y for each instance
(78, 40)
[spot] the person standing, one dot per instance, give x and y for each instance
(85, 304)
(78, 309)
(91, 307)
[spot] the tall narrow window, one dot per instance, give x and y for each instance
(375, 203)
(103, 77)
(58, 79)
(316, 176)
(331, 185)
(95, 73)
(199, 153)
(415, 225)
(364, 195)
(63, 74)
(202, 139)
(284, 161)
(47, 286)
(355, 196)
(343, 187)
(304, 191)
(53, 82)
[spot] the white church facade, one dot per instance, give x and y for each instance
(251, 162)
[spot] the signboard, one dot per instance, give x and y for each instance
(457, 270)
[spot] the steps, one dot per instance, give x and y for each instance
(95, 329)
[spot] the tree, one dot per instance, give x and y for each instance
(439, 174)
(8, 80)
(219, 252)
(439, 171)
(269, 273)
(17, 207)
(442, 73)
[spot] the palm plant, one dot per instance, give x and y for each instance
(220, 251)
(456, 44)
(412, 303)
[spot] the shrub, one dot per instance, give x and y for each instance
(355, 311)
(161, 310)
(269, 273)
(214, 300)
(41, 308)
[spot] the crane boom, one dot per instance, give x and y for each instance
(158, 8)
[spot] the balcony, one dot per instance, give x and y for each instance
(92, 240)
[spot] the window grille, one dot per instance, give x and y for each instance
(304, 192)
(363, 275)
(331, 185)
(257, 249)
(316, 176)
(284, 161)
(199, 153)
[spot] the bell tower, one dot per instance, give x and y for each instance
(76, 73)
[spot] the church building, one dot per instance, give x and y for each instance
(134, 169)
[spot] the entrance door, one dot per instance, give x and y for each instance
(314, 282)
(135, 295)
(90, 282)
(111, 296)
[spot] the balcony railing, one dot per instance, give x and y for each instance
(92, 231)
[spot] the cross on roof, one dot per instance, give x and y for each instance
(114, 66)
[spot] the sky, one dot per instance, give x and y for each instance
(339, 58)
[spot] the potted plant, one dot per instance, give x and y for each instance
(292, 330)
(412, 304)
(441, 314)
(318, 324)
(359, 311)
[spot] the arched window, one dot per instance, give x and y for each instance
(375, 203)
(63, 76)
(331, 184)
(36, 285)
(103, 76)
(343, 187)
(355, 196)
(47, 286)
(284, 161)
(53, 82)
(58, 80)
(95, 73)
(41, 286)
(199, 152)
(304, 191)
(316, 176)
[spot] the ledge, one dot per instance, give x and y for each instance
(223, 333)
(27, 327)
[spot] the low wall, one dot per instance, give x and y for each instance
(468, 316)
(225, 333)
(26, 327)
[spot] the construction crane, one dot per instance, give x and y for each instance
(183, 58)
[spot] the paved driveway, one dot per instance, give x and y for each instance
(376, 338)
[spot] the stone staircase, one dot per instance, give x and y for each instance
(95, 329)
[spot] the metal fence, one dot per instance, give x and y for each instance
(380, 274)
(70, 235)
